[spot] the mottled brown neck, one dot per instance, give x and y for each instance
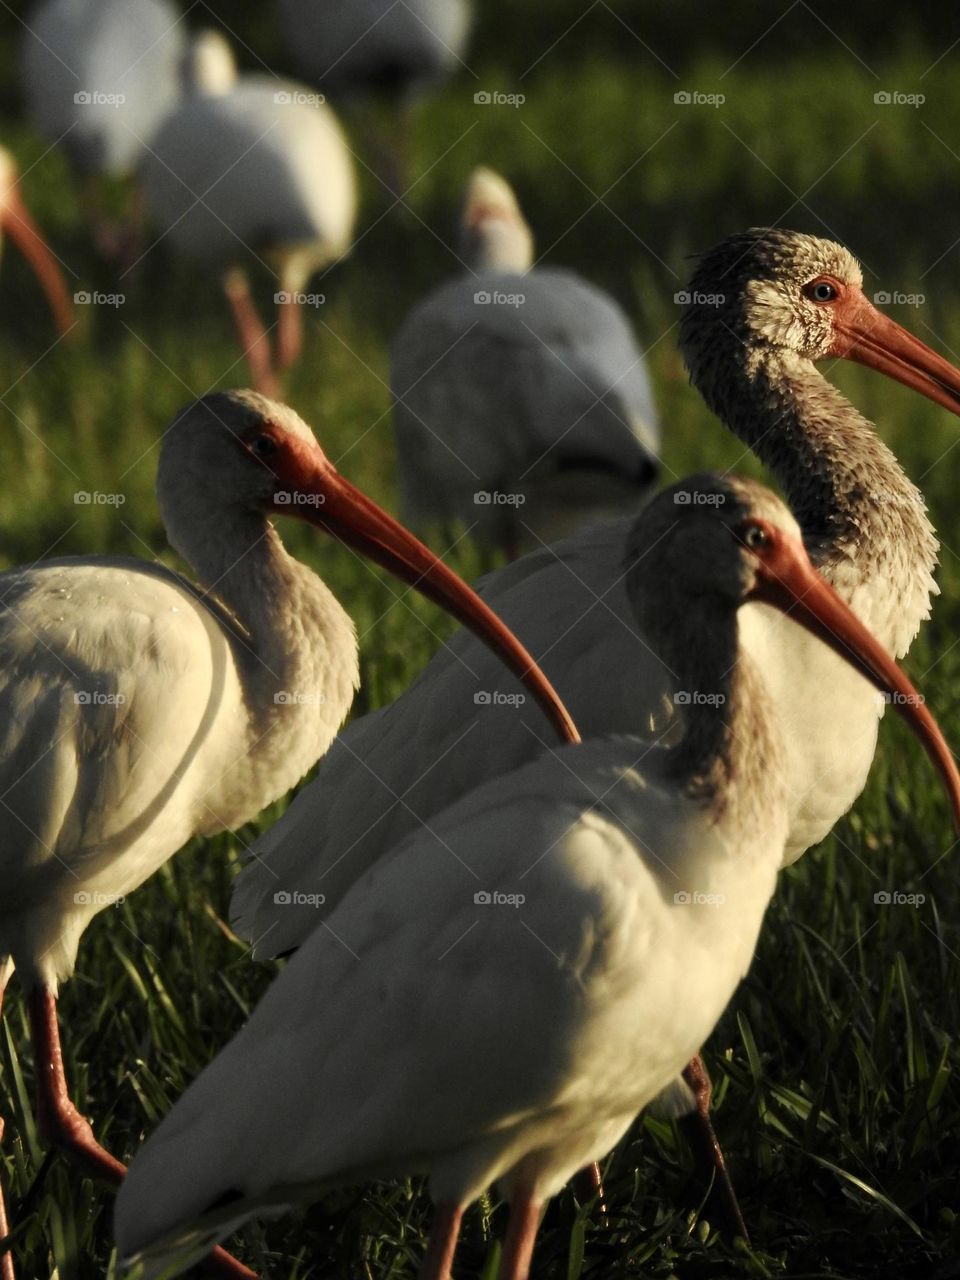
(863, 520)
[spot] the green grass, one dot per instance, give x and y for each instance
(836, 1064)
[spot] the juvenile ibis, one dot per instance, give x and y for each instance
(16, 222)
(498, 999)
(767, 305)
(253, 167)
(138, 710)
(521, 399)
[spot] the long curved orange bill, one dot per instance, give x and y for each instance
(869, 337)
(315, 491)
(788, 581)
(17, 223)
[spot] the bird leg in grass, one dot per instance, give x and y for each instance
(62, 1124)
(254, 339)
(521, 1237)
(289, 329)
(438, 1259)
(588, 1186)
(6, 1259)
(699, 1128)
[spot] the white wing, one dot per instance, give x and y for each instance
(422, 1029)
(89, 651)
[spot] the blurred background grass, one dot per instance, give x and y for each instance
(836, 1065)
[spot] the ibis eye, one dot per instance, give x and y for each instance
(822, 291)
(263, 447)
(755, 536)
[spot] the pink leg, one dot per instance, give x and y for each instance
(707, 1146)
(438, 1259)
(62, 1124)
(253, 337)
(589, 1185)
(521, 1236)
(6, 1258)
(289, 332)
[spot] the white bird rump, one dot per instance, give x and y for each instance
(530, 938)
(262, 167)
(503, 382)
(99, 76)
(362, 45)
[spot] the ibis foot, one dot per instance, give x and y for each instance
(710, 1157)
(62, 1125)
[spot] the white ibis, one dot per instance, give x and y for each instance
(521, 399)
(16, 222)
(363, 46)
(140, 710)
(253, 167)
(771, 303)
(497, 1000)
(98, 77)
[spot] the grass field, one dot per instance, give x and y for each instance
(836, 1064)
